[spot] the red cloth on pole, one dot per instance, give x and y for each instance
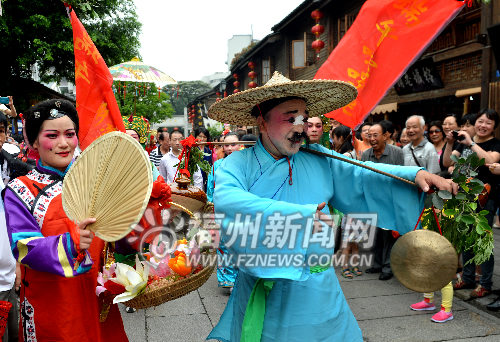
(386, 38)
(95, 101)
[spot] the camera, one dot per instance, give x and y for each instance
(458, 137)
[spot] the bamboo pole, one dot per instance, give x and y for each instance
(351, 161)
(344, 159)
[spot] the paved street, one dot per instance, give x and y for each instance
(382, 309)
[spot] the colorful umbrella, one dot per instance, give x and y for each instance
(137, 71)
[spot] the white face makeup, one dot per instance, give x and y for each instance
(299, 120)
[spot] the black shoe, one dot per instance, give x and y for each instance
(373, 270)
(385, 276)
(495, 305)
(130, 310)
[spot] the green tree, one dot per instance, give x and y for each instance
(215, 130)
(39, 32)
(149, 105)
(188, 91)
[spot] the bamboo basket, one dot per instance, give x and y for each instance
(161, 295)
(158, 296)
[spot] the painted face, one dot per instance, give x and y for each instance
(175, 142)
(376, 137)
(228, 149)
(435, 134)
(413, 129)
(133, 134)
(450, 124)
(3, 135)
(469, 128)
(314, 129)
(484, 126)
(281, 135)
(202, 137)
(56, 142)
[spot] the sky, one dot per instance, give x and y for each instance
(188, 39)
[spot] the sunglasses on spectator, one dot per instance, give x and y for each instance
(436, 131)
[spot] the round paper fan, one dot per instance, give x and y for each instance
(110, 181)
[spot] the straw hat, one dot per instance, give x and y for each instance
(321, 96)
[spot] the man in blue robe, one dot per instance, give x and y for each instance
(271, 198)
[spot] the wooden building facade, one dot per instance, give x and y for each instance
(462, 55)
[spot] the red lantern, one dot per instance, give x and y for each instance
(124, 91)
(236, 84)
(318, 45)
(252, 74)
(317, 15)
(317, 30)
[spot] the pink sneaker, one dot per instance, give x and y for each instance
(442, 316)
(423, 305)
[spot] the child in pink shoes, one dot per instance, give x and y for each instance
(428, 304)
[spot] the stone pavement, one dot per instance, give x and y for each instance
(382, 309)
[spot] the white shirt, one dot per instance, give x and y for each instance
(167, 169)
(7, 261)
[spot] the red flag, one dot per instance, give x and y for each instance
(386, 38)
(95, 100)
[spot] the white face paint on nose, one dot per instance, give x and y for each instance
(299, 120)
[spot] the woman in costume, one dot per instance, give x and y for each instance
(58, 301)
(226, 275)
(137, 127)
(318, 131)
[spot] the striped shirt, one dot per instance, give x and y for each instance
(155, 156)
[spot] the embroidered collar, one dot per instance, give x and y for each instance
(52, 171)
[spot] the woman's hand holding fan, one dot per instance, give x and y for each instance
(86, 236)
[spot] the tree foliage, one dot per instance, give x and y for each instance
(188, 91)
(148, 105)
(39, 32)
(462, 222)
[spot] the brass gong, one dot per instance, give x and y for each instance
(424, 261)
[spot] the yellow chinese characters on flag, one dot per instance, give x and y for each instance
(383, 42)
(95, 101)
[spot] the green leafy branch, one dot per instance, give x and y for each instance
(195, 160)
(461, 222)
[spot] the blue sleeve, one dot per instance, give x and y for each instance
(397, 204)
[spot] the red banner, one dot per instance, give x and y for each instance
(386, 38)
(95, 100)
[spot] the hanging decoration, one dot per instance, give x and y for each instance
(159, 92)
(236, 84)
(317, 30)
(252, 74)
